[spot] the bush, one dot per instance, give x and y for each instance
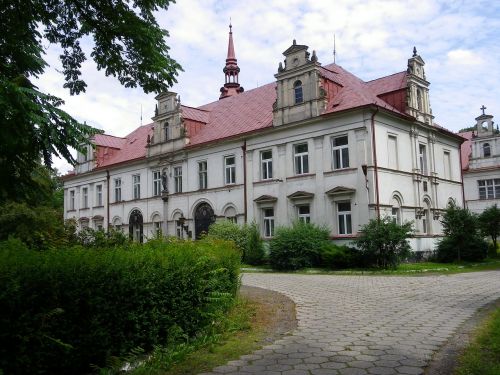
(89, 237)
(384, 243)
(333, 256)
(65, 310)
(462, 239)
(298, 246)
(246, 238)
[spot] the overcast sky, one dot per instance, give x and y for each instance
(458, 40)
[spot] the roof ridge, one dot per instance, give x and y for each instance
(393, 74)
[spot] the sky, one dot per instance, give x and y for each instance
(458, 40)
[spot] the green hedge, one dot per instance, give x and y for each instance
(63, 311)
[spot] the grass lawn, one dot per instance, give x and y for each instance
(402, 269)
(482, 356)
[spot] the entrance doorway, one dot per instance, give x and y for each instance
(203, 217)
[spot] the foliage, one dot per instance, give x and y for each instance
(482, 356)
(246, 238)
(64, 310)
(127, 43)
(384, 243)
(298, 246)
(89, 237)
(338, 257)
(462, 239)
(489, 221)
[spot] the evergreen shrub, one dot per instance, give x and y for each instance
(63, 311)
(338, 257)
(298, 246)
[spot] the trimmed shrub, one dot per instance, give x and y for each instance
(246, 238)
(333, 256)
(298, 246)
(462, 239)
(89, 237)
(63, 311)
(384, 243)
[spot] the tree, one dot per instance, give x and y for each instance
(128, 44)
(489, 221)
(462, 240)
(384, 243)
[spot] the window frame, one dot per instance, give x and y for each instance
(166, 131)
(118, 189)
(229, 170)
(268, 222)
(178, 179)
(304, 217)
(422, 158)
(156, 183)
(344, 217)
(300, 167)
(136, 186)
(98, 195)
(490, 188)
(338, 153)
(266, 165)
(85, 197)
(202, 175)
(486, 146)
(298, 92)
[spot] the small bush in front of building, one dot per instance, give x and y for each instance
(89, 237)
(245, 237)
(67, 309)
(462, 240)
(338, 257)
(298, 246)
(384, 243)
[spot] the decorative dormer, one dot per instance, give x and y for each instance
(299, 94)
(418, 104)
(484, 124)
(231, 71)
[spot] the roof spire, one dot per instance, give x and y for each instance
(231, 70)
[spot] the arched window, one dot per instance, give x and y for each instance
(486, 150)
(396, 210)
(230, 214)
(166, 130)
(297, 88)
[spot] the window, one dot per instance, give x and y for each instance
(419, 99)
(304, 213)
(230, 169)
(157, 228)
(489, 189)
(447, 165)
(422, 157)
(395, 215)
(340, 152)
(98, 195)
(178, 229)
(136, 182)
(156, 183)
(178, 179)
(268, 214)
(166, 131)
(202, 175)
(301, 158)
(486, 150)
(85, 197)
(344, 217)
(99, 225)
(424, 185)
(266, 163)
(118, 189)
(425, 221)
(297, 89)
(230, 215)
(71, 199)
(392, 151)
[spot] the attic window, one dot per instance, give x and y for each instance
(297, 88)
(486, 150)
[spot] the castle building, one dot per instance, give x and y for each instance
(317, 144)
(481, 164)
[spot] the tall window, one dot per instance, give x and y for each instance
(340, 152)
(178, 179)
(425, 221)
(85, 197)
(71, 199)
(304, 213)
(344, 217)
(98, 195)
(489, 189)
(166, 131)
(297, 89)
(392, 150)
(136, 182)
(202, 175)
(419, 99)
(230, 169)
(268, 215)
(422, 157)
(266, 164)
(396, 215)
(486, 150)
(447, 165)
(156, 183)
(301, 158)
(179, 231)
(118, 189)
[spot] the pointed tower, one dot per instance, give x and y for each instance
(231, 70)
(418, 104)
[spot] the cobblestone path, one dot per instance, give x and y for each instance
(351, 325)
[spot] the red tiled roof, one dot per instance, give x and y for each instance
(466, 149)
(195, 114)
(387, 84)
(106, 140)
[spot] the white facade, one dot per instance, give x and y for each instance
(313, 163)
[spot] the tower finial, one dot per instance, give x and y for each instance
(231, 70)
(230, 25)
(483, 108)
(334, 50)
(414, 51)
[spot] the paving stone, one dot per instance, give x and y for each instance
(410, 370)
(382, 371)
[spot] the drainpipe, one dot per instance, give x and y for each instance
(374, 150)
(464, 203)
(244, 149)
(107, 199)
